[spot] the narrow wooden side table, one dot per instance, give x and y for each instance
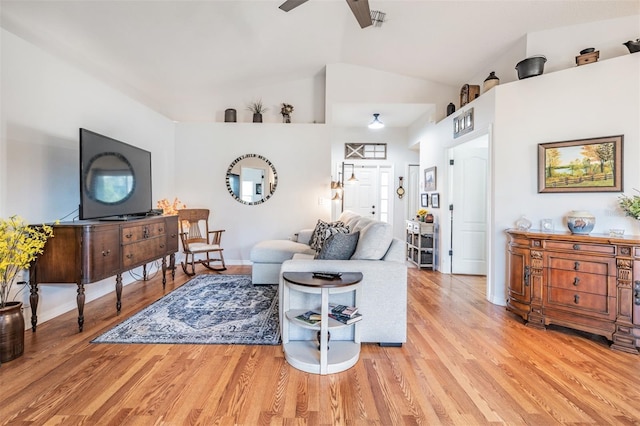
(304, 354)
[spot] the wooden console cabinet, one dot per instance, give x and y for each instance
(585, 282)
(89, 251)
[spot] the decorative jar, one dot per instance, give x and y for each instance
(523, 224)
(490, 82)
(580, 222)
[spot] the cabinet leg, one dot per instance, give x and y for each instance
(80, 301)
(172, 265)
(33, 300)
(118, 292)
(164, 271)
(623, 339)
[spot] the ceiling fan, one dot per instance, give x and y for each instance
(359, 8)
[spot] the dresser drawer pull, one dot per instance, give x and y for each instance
(576, 280)
(576, 299)
(161, 229)
(130, 256)
(106, 253)
(129, 235)
(161, 246)
(576, 246)
(576, 266)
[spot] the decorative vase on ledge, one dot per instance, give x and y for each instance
(257, 117)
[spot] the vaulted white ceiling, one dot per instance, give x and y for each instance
(166, 53)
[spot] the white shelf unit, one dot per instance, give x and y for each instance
(422, 243)
(304, 354)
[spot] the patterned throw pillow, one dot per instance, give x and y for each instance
(339, 246)
(323, 231)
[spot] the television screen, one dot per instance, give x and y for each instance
(115, 178)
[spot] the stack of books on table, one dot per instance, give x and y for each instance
(344, 314)
(310, 317)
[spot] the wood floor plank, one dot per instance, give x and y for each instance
(466, 362)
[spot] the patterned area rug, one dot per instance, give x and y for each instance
(209, 309)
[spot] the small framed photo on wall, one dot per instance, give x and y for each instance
(424, 200)
(430, 179)
(435, 200)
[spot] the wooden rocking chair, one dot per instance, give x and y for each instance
(192, 223)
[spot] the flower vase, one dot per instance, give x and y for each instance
(286, 118)
(11, 331)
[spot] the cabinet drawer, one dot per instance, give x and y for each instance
(579, 281)
(579, 247)
(592, 266)
(143, 251)
(132, 234)
(578, 301)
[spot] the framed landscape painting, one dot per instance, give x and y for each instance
(584, 165)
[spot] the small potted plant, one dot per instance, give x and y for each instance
(20, 244)
(286, 111)
(257, 108)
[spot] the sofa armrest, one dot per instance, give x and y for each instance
(303, 236)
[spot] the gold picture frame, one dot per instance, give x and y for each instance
(581, 165)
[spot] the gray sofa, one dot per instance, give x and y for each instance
(378, 256)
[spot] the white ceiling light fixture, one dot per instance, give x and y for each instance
(376, 123)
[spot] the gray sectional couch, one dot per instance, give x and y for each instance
(378, 256)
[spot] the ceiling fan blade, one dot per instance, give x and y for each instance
(361, 11)
(291, 4)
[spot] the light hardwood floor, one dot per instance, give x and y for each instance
(466, 362)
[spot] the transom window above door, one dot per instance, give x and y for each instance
(365, 151)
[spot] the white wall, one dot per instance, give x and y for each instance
(299, 152)
(44, 103)
(352, 83)
(306, 96)
(599, 99)
(577, 103)
(561, 46)
(435, 142)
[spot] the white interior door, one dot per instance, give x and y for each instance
(372, 194)
(469, 225)
(361, 196)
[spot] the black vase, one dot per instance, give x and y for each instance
(11, 331)
(451, 108)
(257, 117)
(230, 115)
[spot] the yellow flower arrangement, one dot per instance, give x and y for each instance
(422, 212)
(20, 244)
(170, 208)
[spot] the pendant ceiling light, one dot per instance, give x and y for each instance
(376, 123)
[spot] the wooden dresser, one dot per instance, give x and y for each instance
(585, 282)
(89, 251)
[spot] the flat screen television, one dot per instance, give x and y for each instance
(115, 178)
